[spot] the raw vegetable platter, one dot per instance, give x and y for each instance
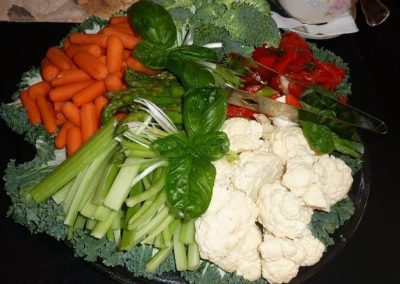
(47, 217)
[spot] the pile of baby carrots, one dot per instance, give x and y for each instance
(70, 99)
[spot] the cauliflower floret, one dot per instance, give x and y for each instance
(243, 134)
(225, 223)
(305, 181)
(282, 121)
(283, 213)
(254, 169)
(289, 142)
(224, 170)
(266, 124)
(337, 178)
(245, 258)
(276, 252)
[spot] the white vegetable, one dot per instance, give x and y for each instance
(254, 169)
(283, 213)
(289, 142)
(282, 257)
(243, 134)
(225, 231)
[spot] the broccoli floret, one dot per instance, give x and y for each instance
(249, 26)
(261, 6)
(208, 14)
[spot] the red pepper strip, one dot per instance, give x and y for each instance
(284, 61)
(293, 101)
(294, 38)
(236, 111)
(253, 88)
(295, 89)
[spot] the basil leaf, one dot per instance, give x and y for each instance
(150, 54)
(318, 136)
(189, 185)
(153, 23)
(191, 74)
(172, 145)
(211, 146)
(352, 148)
(192, 53)
(204, 110)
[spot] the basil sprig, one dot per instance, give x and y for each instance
(157, 48)
(191, 175)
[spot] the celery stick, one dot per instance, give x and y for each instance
(110, 235)
(105, 183)
(79, 223)
(158, 241)
(179, 250)
(168, 231)
(149, 213)
(128, 235)
(70, 232)
(102, 227)
(157, 231)
(132, 201)
(90, 224)
(71, 167)
(156, 260)
(193, 257)
(187, 232)
(89, 209)
(87, 186)
(117, 236)
(150, 226)
(102, 213)
(148, 241)
(60, 196)
(141, 153)
(146, 205)
(121, 186)
(71, 194)
(117, 224)
(146, 182)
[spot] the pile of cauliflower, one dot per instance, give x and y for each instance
(257, 223)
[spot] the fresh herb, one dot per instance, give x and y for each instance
(191, 175)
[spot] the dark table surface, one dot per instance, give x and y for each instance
(371, 256)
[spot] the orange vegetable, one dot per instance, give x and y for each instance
(91, 64)
(118, 20)
(89, 93)
(93, 49)
(57, 105)
(30, 107)
(129, 41)
(70, 76)
(59, 59)
(123, 27)
(61, 139)
(47, 114)
(126, 54)
(65, 92)
(113, 83)
(82, 38)
(39, 89)
(89, 121)
(73, 140)
(66, 44)
(71, 113)
(114, 54)
(48, 70)
(136, 65)
(100, 102)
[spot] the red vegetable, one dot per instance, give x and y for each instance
(236, 111)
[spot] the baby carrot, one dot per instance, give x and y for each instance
(129, 41)
(113, 83)
(91, 64)
(47, 114)
(102, 58)
(100, 102)
(123, 27)
(70, 76)
(114, 55)
(89, 93)
(118, 20)
(65, 92)
(59, 59)
(93, 49)
(82, 38)
(136, 65)
(39, 89)
(61, 139)
(30, 107)
(48, 70)
(66, 44)
(57, 105)
(71, 113)
(73, 140)
(89, 121)
(126, 54)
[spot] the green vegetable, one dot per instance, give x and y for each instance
(153, 23)
(324, 224)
